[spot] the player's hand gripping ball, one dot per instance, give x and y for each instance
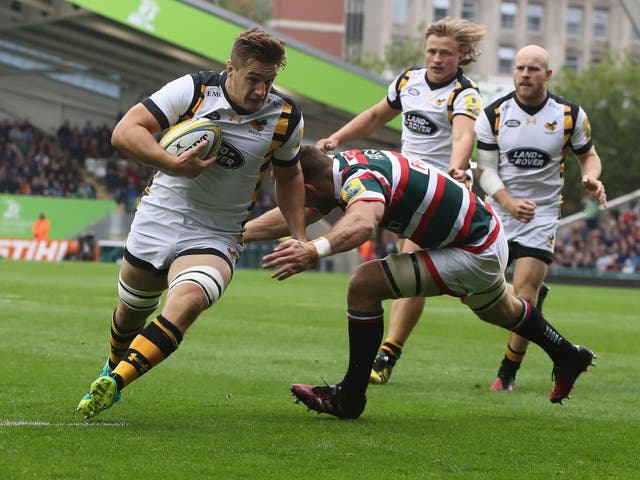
(189, 134)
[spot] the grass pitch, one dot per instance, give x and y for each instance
(220, 406)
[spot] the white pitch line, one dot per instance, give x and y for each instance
(22, 423)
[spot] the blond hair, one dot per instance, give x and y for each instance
(467, 35)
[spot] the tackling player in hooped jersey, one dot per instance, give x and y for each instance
(187, 231)
(522, 141)
(439, 105)
(462, 252)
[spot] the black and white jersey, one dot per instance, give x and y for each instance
(222, 196)
(428, 110)
(533, 143)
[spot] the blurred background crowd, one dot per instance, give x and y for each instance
(34, 163)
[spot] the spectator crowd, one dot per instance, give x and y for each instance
(609, 244)
(34, 163)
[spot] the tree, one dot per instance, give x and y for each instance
(257, 10)
(397, 56)
(610, 94)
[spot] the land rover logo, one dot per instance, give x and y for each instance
(419, 124)
(512, 123)
(528, 158)
(229, 157)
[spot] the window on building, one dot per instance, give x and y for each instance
(574, 21)
(354, 30)
(572, 60)
(440, 9)
(400, 11)
(535, 14)
(600, 18)
(508, 12)
(505, 59)
(468, 10)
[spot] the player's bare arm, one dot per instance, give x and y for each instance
(272, 225)
(520, 209)
(591, 169)
(463, 138)
(353, 229)
(134, 134)
(360, 126)
(289, 190)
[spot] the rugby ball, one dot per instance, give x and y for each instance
(189, 134)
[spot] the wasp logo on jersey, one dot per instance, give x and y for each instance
(229, 157)
(439, 101)
(528, 157)
(551, 126)
(259, 125)
(420, 124)
(351, 190)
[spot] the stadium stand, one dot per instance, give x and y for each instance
(608, 245)
(78, 162)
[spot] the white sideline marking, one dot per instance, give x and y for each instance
(22, 423)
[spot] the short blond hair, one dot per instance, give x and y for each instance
(467, 35)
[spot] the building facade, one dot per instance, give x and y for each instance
(577, 33)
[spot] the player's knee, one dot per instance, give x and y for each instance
(367, 281)
(138, 300)
(208, 279)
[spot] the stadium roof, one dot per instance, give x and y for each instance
(91, 60)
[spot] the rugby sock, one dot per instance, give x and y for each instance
(542, 294)
(365, 335)
(156, 342)
(535, 328)
(120, 341)
(392, 347)
(511, 361)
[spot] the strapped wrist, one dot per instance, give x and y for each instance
(321, 246)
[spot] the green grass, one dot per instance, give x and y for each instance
(220, 407)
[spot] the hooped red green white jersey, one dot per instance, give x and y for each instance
(421, 203)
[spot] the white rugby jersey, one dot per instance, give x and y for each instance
(428, 110)
(223, 195)
(533, 143)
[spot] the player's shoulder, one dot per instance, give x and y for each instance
(466, 82)
(562, 101)
(285, 104)
(499, 102)
(278, 95)
(209, 78)
(410, 73)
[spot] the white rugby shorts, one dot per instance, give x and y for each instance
(158, 236)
